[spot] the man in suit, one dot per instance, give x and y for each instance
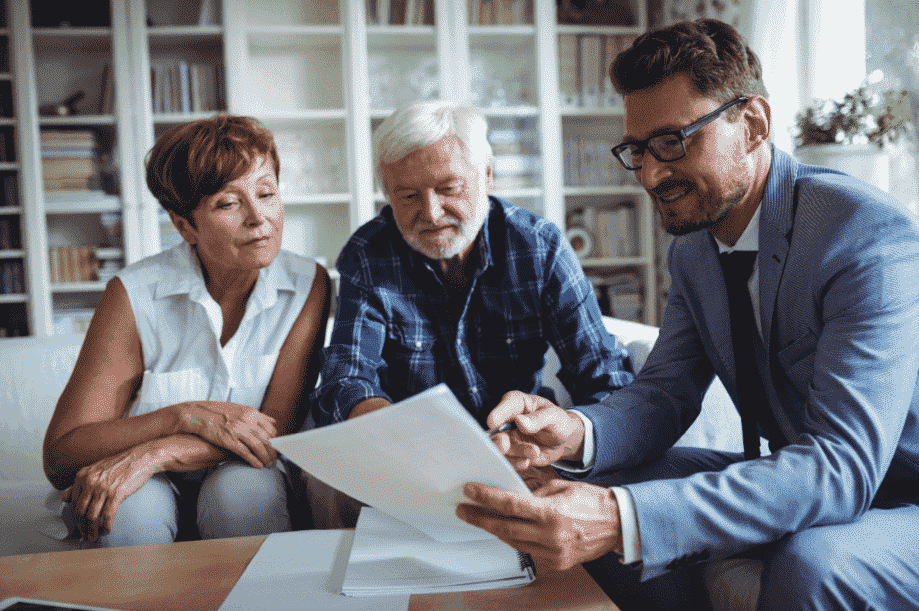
(825, 369)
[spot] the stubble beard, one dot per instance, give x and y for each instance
(709, 213)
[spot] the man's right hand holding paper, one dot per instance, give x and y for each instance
(564, 523)
(544, 434)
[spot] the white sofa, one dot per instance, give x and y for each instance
(34, 370)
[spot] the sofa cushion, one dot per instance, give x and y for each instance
(33, 373)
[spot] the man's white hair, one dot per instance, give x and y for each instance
(419, 124)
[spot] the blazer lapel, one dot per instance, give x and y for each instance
(775, 224)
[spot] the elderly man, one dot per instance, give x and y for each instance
(451, 284)
(813, 332)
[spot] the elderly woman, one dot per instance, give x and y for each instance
(196, 357)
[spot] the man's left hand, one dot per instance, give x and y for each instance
(564, 524)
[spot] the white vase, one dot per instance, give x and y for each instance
(864, 161)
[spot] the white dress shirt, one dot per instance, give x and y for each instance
(180, 326)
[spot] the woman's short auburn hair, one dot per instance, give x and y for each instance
(194, 160)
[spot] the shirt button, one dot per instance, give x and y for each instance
(510, 341)
(458, 341)
(474, 389)
(418, 344)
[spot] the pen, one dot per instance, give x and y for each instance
(507, 426)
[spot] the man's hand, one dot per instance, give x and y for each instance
(99, 489)
(545, 432)
(565, 524)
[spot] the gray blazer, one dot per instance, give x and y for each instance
(839, 307)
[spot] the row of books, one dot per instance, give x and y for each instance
(73, 264)
(184, 88)
(620, 295)
(400, 12)
(69, 160)
(583, 69)
(500, 12)
(604, 232)
(12, 277)
(9, 233)
(590, 162)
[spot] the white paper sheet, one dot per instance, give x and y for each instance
(303, 570)
(409, 460)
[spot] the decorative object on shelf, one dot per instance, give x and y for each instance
(580, 241)
(595, 12)
(63, 109)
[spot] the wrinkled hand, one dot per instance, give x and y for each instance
(564, 524)
(99, 489)
(545, 432)
(241, 429)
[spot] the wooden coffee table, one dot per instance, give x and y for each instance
(200, 574)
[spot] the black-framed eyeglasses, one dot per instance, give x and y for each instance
(668, 146)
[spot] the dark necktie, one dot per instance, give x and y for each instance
(751, 394)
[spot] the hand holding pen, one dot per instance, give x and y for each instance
(532, 431)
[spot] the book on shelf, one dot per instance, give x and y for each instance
(609, 97)
(107, 91)
(625, 296)
(12, 277)
(72, 264)
(185, 87)
(10, 191)
(499, 12)
(590, 58)
(389, 557)
(568, 69)
(6, 234)
(615, 232)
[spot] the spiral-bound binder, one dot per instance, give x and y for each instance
(390, 557)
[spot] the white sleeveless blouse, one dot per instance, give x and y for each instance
(180, 326)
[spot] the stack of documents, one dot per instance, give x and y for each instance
(409, 462)
(390, 557)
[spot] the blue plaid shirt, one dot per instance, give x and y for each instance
(400, 329)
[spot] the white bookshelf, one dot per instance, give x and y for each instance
(321, 78)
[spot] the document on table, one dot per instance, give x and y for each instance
(390, 557)
(302, 570)
(409, 460)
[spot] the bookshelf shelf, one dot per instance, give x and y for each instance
(10, 210)
(73, 33)
(318, 199)
(398, 33)
(76, 120)
(189, 33)
(8, 166)
(606, 30)
(180, 117)
(11, 254)
(77, 287)
(14, 298)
